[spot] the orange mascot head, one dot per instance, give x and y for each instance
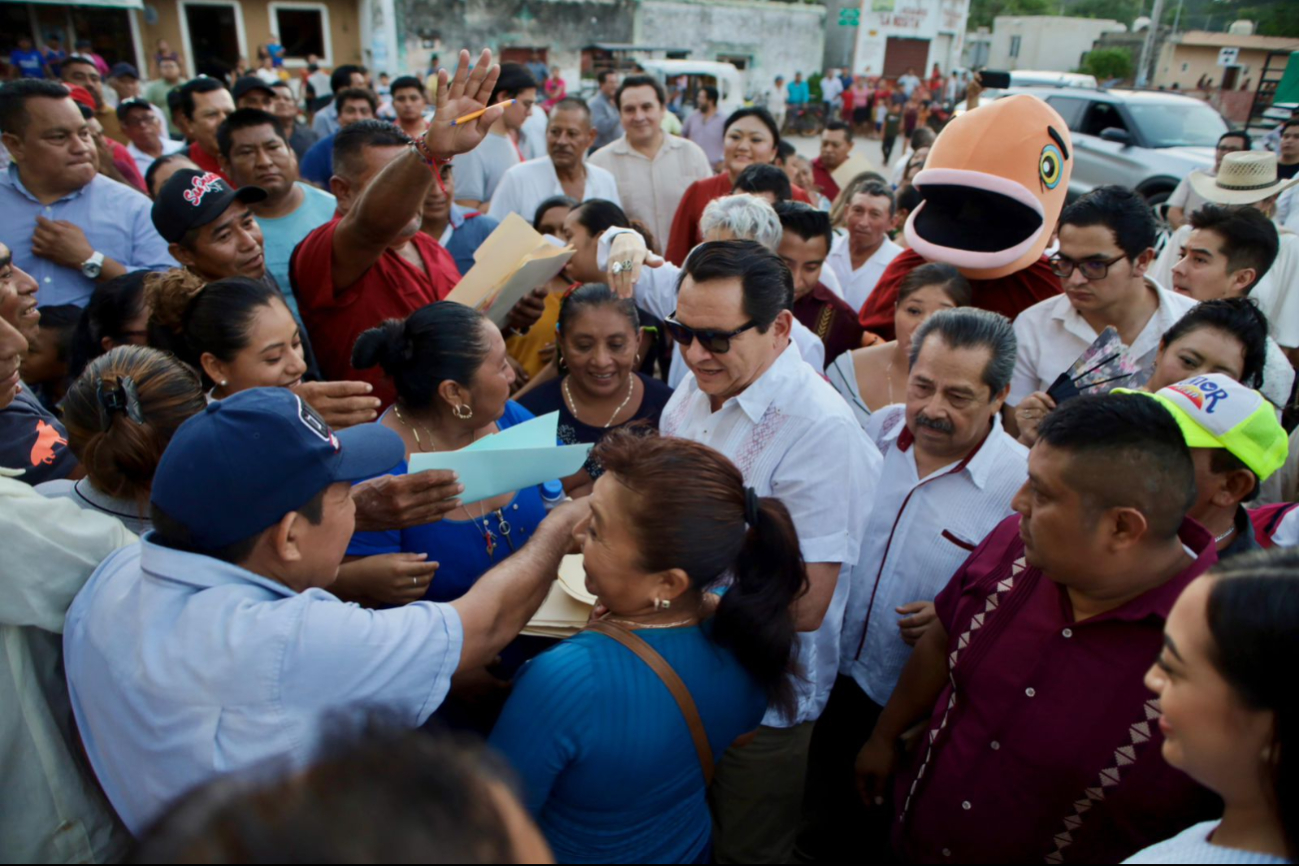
(993, 188)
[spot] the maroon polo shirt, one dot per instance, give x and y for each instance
(829, 317)
(1045, 745)
(824, 179)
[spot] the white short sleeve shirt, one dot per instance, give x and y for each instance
(794, 438)
(525, 186)
(855, 286)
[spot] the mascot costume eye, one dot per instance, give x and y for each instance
(992, 190)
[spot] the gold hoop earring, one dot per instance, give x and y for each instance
(468, 412)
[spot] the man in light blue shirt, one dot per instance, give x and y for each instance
(215, 644)
(66, 225)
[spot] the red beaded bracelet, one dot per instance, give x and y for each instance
(435, 164)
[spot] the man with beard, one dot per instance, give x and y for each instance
(562, 171)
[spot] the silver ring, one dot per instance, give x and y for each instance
(621, 267)
(415, 581)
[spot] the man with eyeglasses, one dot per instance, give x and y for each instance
(1184, 200)
(1107, 242)
(144, 131)
(750, 396)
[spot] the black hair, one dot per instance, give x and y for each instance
(341, 77)
(602, 75)
(382, 794)
(190, 319)
(112, 305)
(764, 177)
(945, 277)
(245, 118)
(1249, 239)
(170, 532)
(73, 60)
(1253, 614)
(784, 151)
(907, 198)
(766, 282)
(711, 93)
(350, 141)
(572, 103)
(640, 81)
(62, 318)
(439, 342)
(553, 201)
(1292, 123)
(407, 82)
(514, 79)
(13, 101)
(761, 114)
(805, 221)
(1222, 461)
(1121, 210)
(923, 136)
(591, 296)
(1126, 451)
(877, 189)
(352, 94)
(839, 126)
(1239, 317)
(1237, 133)
(202, 84)
(152, 171)
(597, 215)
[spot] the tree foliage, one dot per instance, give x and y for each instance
(1107, 63)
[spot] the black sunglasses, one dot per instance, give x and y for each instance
(715, 342)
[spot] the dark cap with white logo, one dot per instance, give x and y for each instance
(192, 198)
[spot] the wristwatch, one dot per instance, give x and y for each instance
(91, 267)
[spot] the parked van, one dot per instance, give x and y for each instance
(728, 80)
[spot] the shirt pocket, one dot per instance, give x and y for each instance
(956, 537)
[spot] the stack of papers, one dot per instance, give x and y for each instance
(513, 459)
(568, 606)
(514, 260)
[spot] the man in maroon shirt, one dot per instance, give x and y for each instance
(804, 245)
(1043, 743)
(371, 262)
(836, 147)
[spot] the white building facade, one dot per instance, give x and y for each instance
(1048, 43)
(897, 35)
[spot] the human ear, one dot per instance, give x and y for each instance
(285, 540)
(180, 254)
(671, 584)
(1128, 527)
(1236, 487)
(216, 369)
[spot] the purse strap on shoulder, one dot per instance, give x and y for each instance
(660, 666)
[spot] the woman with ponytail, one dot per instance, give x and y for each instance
(607, 754)
(120, 414)
(1229, 706)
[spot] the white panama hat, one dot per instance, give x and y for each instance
(1244, 177)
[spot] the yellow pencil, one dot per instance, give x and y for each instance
(474, 115)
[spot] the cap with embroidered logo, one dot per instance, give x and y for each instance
(1216, 411)
(192, 198)
(238, 467)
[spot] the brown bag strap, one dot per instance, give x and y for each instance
(660, 666)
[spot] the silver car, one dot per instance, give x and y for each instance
(1144, 140)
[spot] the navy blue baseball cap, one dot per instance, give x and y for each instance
(235, 469)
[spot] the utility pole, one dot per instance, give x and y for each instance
(1148, 47)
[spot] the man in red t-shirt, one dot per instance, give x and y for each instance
(371, 263)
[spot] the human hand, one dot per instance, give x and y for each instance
(876, 763)
(61, 242)
(921, 615)
(1029, 414)
(464, 94)
(528, 311)
(388, 579)
(973, 90)
(521, 376)
(402, 501)
(341, 404)
(629, 247)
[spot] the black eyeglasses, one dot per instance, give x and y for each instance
(1092, 269)
(715, 342)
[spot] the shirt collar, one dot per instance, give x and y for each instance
(11, 178)
(11, 473)
(457, 218)
(978, 464)
(1074, 323)
(197, 571)
(755, 399)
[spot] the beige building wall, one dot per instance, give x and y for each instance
(1185, 64)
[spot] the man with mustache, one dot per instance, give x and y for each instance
(950, 471)
(563, 171)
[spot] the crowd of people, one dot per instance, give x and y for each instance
(877, 568)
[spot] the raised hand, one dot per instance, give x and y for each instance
(464, 94)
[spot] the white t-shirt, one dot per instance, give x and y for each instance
(856, 285)
(478, 172)
(525, 186)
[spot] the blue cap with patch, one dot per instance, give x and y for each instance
(238, 467)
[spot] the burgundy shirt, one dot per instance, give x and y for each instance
(829, 317)
(824, 179)
(1045, 745)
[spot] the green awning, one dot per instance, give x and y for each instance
(1288, 88)
(112, 4)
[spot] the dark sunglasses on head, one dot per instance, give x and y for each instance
(715, 342)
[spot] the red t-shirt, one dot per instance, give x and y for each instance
(685, 235)
(1009, 295)
(205, 160)
(392, 288)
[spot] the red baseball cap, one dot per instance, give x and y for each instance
(82, 96)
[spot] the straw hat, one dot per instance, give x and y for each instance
(1245, 177)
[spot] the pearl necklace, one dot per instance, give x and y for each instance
(631, 388)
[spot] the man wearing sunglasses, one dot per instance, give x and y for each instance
(1106, 242)
(750, 395)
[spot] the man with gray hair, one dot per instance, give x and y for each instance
(744, 217)
(950, 471)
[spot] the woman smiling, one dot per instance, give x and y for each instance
(752, 138)
(598, 338)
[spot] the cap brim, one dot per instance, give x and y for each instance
(250, 194)
(367, 450)
(1207, 188)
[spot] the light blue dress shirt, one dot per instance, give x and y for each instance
(181, 667)
(114, 217)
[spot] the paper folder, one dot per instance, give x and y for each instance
(568, 606)
(514, 260)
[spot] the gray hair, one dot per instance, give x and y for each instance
(971, 328)
(749, 217)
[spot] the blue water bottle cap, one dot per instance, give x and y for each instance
(552, 491)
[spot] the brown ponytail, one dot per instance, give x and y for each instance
(121, 413)
(692, 511)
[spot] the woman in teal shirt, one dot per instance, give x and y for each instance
(607, 759)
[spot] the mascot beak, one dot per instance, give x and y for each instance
(979, 220)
